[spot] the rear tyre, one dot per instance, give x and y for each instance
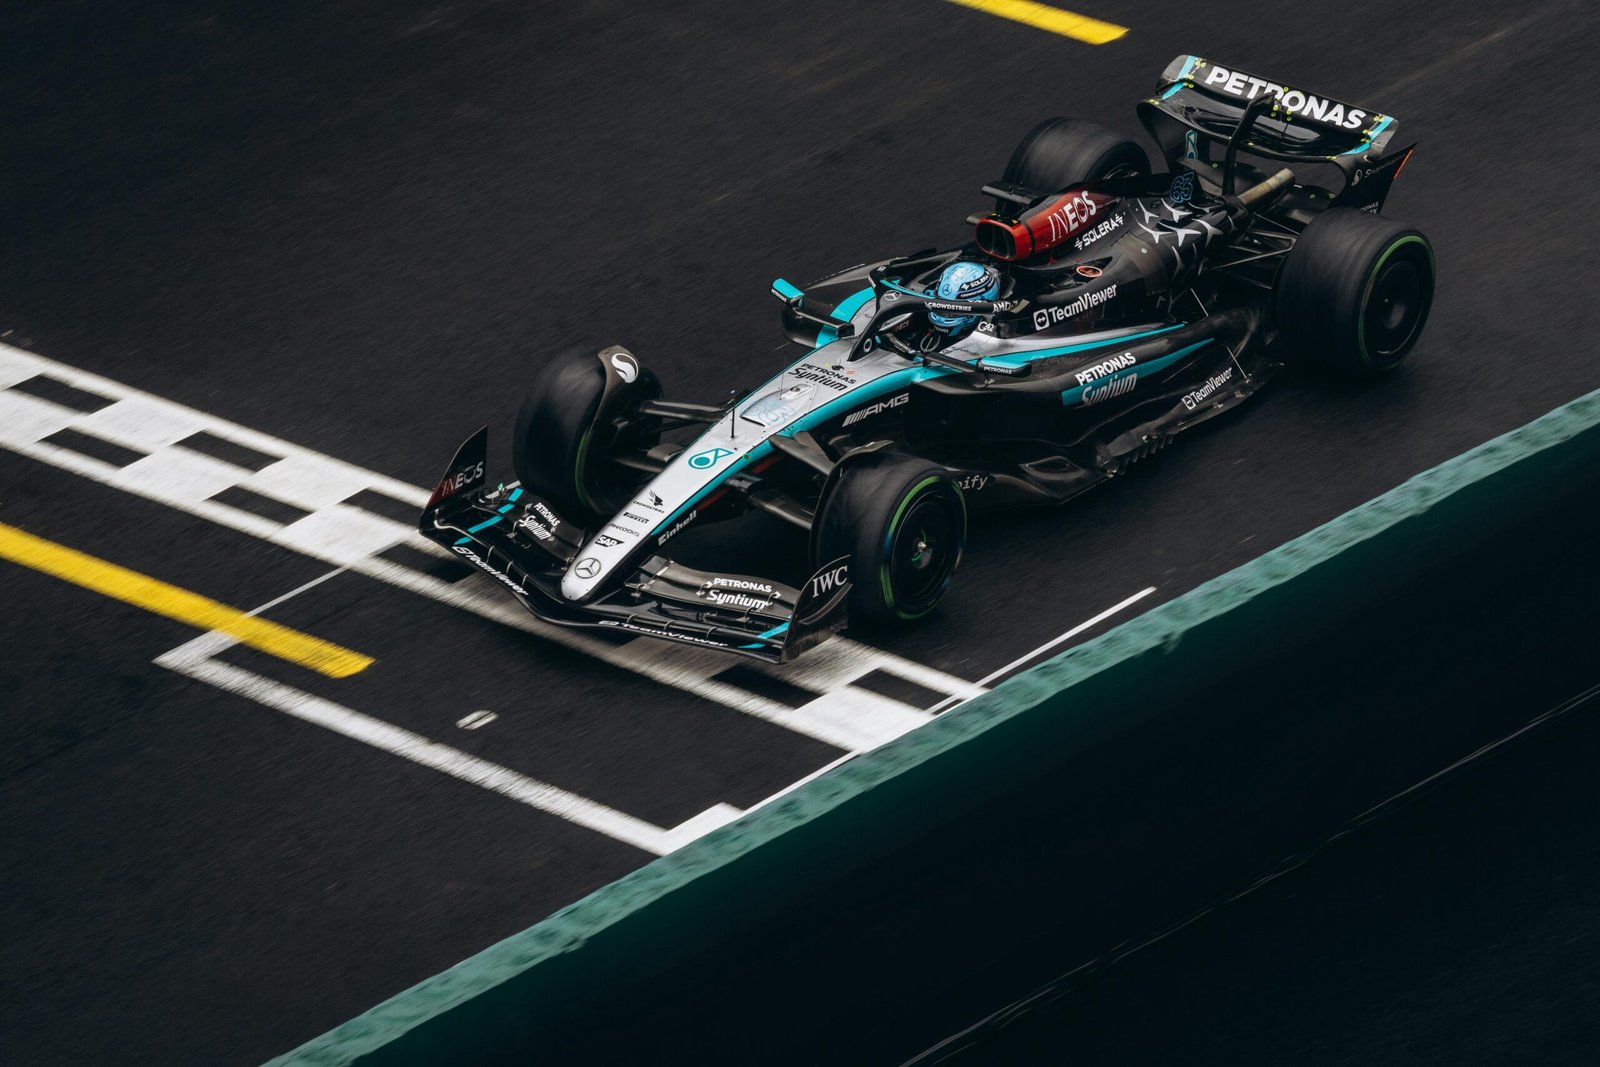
(1062, 152)
(903, 523)
(564, 450)
(1354, 293)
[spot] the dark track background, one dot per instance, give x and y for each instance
(1461, 930)
(356, 225)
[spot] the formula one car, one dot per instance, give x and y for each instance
(1100, 310)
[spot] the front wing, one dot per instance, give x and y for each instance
(517, 539)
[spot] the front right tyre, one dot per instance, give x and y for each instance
(903, 523)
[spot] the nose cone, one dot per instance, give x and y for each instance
(581, 577)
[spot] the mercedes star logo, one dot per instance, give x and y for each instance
(586, 568)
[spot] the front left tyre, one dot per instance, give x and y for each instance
(570, 429)
(903, 523)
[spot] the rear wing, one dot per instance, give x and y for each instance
(1201, 103)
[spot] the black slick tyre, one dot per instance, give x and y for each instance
(1354, 293)
(1061, 152)
(903, 523)
(561, 449)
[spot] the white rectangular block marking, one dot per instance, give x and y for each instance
(25, 419)
(141, 422)
(177, 477)
(341, 534)
(308, 481)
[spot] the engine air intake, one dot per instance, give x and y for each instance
(1049, 224)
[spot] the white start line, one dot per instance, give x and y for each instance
(156, 441)
(194, 659)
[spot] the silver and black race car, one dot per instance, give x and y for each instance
(1122, 307)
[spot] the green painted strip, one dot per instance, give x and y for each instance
(1163, 628)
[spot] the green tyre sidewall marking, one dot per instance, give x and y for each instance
(580, 490)
(1366, 293)
(889, 539)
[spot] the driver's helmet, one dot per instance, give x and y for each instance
(964, 280)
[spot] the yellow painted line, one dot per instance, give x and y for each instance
(157, 596)
(1044, 17)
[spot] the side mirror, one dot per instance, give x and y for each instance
(791, 296)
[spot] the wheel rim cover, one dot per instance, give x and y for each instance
(919, 561)
(1394, 310)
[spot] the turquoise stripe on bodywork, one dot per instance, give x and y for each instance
(851, 304)
(482, 525)
(1014, 359)
(844, 313)
(1373, 136)
(775, 631)
(902, 379)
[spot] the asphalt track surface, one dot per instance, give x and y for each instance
(355, 228)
